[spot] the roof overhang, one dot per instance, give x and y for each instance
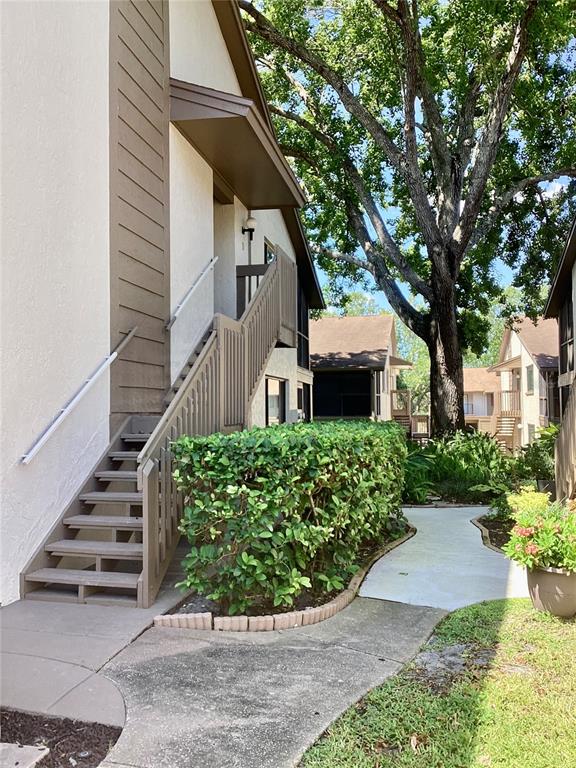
(507, 365)
(398, 362)
(561, 282)
(306, 269)
(235, 140)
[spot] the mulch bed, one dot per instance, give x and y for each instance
(307, 599)
(72, 743)
(498, 530)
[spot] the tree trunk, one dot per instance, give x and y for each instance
(446, 377)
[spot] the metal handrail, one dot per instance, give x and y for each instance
(75, 399)
(190, 291)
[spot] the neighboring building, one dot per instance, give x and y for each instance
(528, 396)
(562, 305)
(356, 369)
(480, 393)
(151, 246)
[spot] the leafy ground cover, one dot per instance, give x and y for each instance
(494, 688)
(471, 467)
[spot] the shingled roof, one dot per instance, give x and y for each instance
(540, 339)
(480, 380)
(351, 342)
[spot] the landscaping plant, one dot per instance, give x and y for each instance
(272, 512)
(545, 533)
(463, 467)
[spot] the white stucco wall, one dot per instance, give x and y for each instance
(225, 240)
(198, 53)
(55, 261)
(530, 403)
(191, 247)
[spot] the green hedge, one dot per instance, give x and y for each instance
(270, 512)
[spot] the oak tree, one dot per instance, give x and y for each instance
(426, 134)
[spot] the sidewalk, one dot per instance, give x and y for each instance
(51, 654)
(445, 565)
(201, 699)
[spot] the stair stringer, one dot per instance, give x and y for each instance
(40, 558)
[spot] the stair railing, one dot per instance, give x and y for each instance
(565, 449)
(214, 397)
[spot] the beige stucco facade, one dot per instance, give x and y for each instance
(55, 261)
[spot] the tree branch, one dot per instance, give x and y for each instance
(387, 242)
(346, 257)
(490, 139)
(410, 172)
(498, 205)
(405, 311)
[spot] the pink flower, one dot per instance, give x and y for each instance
(532, 549)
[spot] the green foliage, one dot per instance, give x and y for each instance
(516, 713)
(465, 47)
(545, 533)
(468, 467)
(271, 512)
(536, 460)
(417, 483)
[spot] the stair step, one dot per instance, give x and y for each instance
(120, 475)
(111, 497)
(135, 437)
(124, 455)
(110, 549)
(119, 522)
(85, 578)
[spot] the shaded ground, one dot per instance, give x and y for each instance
(495, 686)
(200, 699)
(72, 744)
(498, 529)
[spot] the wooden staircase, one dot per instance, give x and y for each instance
(114, 543)
(96, 553)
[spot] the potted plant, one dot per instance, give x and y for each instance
(544, 541)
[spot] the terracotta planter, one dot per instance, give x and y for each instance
(553, 590)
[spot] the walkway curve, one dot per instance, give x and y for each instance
(445, 565)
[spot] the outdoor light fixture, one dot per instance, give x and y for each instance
(249, 227)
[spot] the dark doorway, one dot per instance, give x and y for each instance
(342, 394)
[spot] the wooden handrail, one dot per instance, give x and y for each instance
(45, 435)
(565, 449)
(214, 397)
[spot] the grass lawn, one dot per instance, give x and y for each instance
(513, 705)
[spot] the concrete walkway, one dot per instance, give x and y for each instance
(198, 699)
(51, 653)
(445, 565)
(244, 700)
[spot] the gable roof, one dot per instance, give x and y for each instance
(561, 283)
(480, 380)
(540, 339)
(351, 342)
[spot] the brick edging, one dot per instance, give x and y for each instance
(280, 621)
(486, 535)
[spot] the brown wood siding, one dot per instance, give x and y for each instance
(139, 264)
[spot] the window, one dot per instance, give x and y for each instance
(489, 403)
(468, 404)
(303, 333)
(304, 410)
(529, 379)
(269, 254)
(275, 401)
(531, 433)
(566, 326)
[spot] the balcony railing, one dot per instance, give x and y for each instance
(400, 402)
(508, 403)
(214, 397)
